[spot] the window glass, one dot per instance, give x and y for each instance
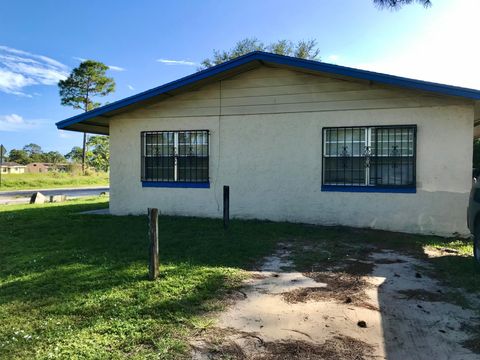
(175, 156)
(369, 156)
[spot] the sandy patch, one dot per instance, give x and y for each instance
(340, 314)
(417, 320)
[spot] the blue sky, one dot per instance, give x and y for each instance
(41, 41)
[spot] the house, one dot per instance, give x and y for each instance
(296, 140)
(12, 168)
(39, 167)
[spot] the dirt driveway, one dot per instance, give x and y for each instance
(384, 306)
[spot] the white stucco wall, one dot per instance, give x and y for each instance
(272, 161)
(13, 169)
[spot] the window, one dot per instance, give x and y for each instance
(178, 157)
(369, 157)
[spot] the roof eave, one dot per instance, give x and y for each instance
(260, 57)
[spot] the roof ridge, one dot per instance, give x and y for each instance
(262, 56)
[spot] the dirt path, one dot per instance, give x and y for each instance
(285, 314)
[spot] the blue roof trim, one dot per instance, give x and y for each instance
(280, 60)
(370, 189)
(176, 184)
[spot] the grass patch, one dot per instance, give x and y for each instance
(48, 180)
(75, 286)
(333, 245)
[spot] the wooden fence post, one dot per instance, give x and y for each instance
(226, 206)
(153, 235)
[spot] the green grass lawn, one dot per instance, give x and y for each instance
(75, 286)
(48, 180)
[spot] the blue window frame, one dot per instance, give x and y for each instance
(175, 158)
(369, 158)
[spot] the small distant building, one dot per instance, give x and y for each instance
(12, 168)
(39, 167)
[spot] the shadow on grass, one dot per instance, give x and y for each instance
(58, 252)
(72, 279)
(333, 246)
(330, 245)
(89, 274)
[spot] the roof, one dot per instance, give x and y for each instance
(47, 164)
(11, 164)
(94, 121)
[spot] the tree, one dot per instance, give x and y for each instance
(19, 156)
(304, 49)
(98, 156)
(37, 158)
(85, 82)
(75, 155)
(33, 149)
(53, 157)
(397, 4)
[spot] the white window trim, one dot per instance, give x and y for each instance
(176, 152)
(367, 147)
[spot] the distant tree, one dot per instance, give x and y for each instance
(75, 155)
(19, 156)
(33, 149)
(304, 49)
(397, 4)
(53, 157)
(85, 82)
(99, 153)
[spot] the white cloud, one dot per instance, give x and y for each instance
(115, 68)
(19, 69)
(11, 82)
(111, 67)
(177, 62)
(14, 122)
(131, 87)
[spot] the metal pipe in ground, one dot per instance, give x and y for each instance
(226, 206)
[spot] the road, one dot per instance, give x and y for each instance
(23, 196)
